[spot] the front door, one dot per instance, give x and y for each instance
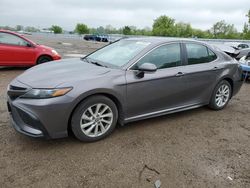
(160, 90)
(14, 51)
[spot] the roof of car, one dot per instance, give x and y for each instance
(157, 40)
(7, 31)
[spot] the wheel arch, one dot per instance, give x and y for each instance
(43, 55)
(230, 81)
(112, 97)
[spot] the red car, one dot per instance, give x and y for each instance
(16, 50)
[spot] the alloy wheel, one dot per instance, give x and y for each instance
(222, 95)
(96, 120)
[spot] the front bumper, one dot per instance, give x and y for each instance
(56, 57)
(47, 118)
(26, 123)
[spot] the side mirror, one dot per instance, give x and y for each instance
(29, 45)
(147, 67)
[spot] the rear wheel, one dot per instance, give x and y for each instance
(221, 95)
(44, 59)
(95, 118)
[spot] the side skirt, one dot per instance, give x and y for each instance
(162, 112)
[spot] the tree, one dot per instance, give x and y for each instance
(183, 30)
(81, 28)
(164, 26)
(110, 29)
(246, 29)
(248, 16)
(100, 30)
(198, 33)
(56, 29)
(126, 30)
(223, 30)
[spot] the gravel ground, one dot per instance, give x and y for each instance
(197, 148)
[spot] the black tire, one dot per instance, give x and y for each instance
(213, 105)
(82, 107)
(43, 59)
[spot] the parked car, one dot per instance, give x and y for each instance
(245, 63)
(129, 80)
(99, 38)
(16, 50)
(243, 52)
(227, 49)
(237, 45)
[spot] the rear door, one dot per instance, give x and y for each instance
(201, 72)
(14, 51)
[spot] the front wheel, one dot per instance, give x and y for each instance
(44, 59)
(221, 95)
(94, 118)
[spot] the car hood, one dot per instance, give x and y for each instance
(53, 74)
(44, 47)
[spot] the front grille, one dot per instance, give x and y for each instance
(15, 91)
(17, 88)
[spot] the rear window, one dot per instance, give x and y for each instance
(197, 53)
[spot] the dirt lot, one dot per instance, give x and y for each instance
(197, 148)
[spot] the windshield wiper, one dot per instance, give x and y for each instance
(98, 64)
(85, 59)
(93, 62)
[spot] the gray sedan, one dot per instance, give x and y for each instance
(129, 80)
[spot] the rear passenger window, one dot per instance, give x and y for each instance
(197, 54)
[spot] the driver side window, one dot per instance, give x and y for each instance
(163, 57)
(6, 38)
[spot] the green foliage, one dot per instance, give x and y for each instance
(56, 29)
(223, 30)
(127, 30)
(81, 29)
(164, 26)
(197, 33)
(246, 29)
(248, 16)
(183, 30)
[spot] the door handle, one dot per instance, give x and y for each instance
(215, 68)
(179, 74)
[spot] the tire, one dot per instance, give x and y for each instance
(90, 127)
(43, 59)
(223, 93)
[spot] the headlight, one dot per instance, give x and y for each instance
(54, 52)
(45, 93)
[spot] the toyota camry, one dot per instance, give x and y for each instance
(128, 80)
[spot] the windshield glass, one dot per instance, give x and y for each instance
(119, 53)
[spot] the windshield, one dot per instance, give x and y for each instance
(119, 53)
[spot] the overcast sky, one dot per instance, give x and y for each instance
(141, 13)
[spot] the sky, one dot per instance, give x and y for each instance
(118, 13)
